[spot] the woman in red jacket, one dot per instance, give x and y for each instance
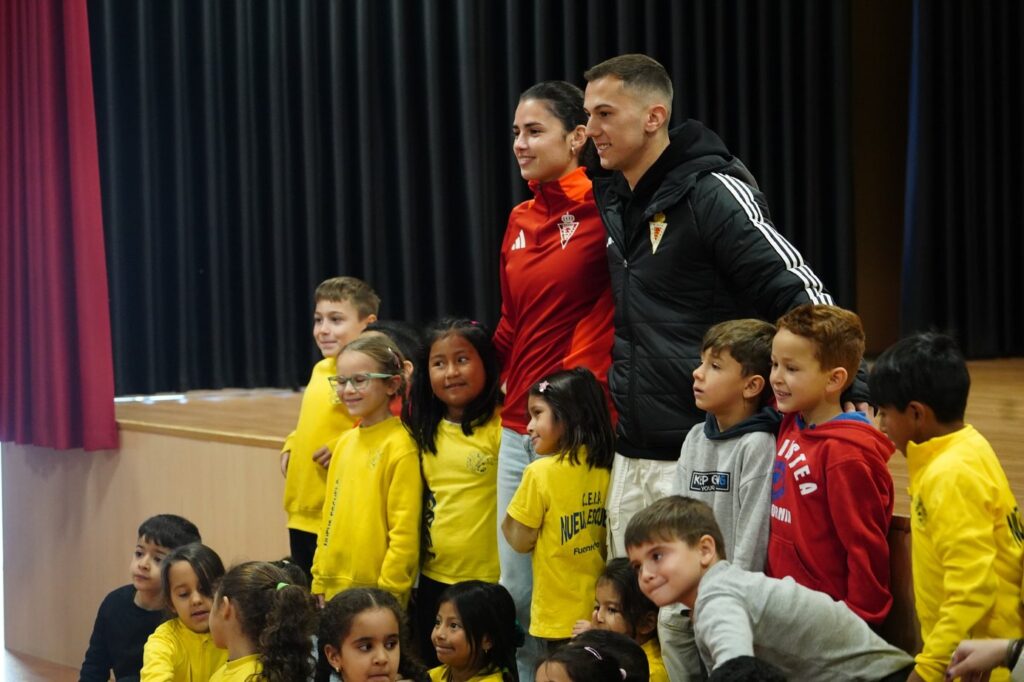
(556, 303)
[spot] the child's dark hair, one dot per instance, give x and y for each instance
(357, 292)
(487, 609)
(296, 576)
(406, 336)
(587, 664)
(169, 530)
(749, 342)
(928, 368)
(626, 651)
(204, 561)
(636, 607)
(276, 616)
(384, 351)
(336, 622)
(580, 405)
(746, 669)
(565, 102)
(424, 410)
(675, 518)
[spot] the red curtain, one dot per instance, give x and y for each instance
(56, 373)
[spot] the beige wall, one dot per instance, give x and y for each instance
(70, 520)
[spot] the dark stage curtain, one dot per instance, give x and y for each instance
(56, 374)
(251, 149)
(963, 247)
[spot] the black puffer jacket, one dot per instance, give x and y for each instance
(718, 258)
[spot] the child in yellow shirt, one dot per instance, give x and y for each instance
(344, 306)
(558, 512)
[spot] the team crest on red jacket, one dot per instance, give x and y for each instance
(567, 228)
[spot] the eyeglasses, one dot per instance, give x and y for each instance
(359, 381)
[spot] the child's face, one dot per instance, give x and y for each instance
(901, 426)
(335, 323)
(145, 566)
(719, 386)
(669, 571)
(552, 672)
(370, 403)
(457, 374)
(449, 639)
(191, 605)
(608, 609)
(545, 429)
(370, 651)
(797, 377)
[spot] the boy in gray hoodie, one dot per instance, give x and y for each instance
(726, 462)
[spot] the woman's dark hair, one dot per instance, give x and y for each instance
(278, 618)
(486, 609)
(626, 651)
(423, 411)
(203, 560)
(579, 403)
(336, 622)
(565, 102)
(636, 607)
(587, 664)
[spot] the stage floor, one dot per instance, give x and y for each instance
(264, 417)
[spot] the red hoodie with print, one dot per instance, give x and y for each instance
(832, 498)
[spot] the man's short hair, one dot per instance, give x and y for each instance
(357, 292)
(926, 367)
(675, 518)
(837, 334)
(749, 342)
(169, 530)
(638, 72)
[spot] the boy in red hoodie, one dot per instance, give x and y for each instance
(832, 493)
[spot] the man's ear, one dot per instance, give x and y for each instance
(657, 117)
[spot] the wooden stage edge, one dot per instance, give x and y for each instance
(264, 418)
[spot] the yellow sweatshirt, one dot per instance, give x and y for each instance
(173, 653)
(967, 552)
(322, 420)
(440, 674)
(239, 670)
(655, 662)
(370, 531)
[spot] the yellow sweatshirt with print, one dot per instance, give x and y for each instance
(966, 547)
(173, 653)
(370, 529)
(322, 420)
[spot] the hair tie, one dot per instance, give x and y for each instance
(622, 671)
(281, 586)
(543, 386)
(593, 651)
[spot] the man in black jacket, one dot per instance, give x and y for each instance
(690, 244)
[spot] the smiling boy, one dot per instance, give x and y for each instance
(832, 493)
(344, 306)
(676, 547)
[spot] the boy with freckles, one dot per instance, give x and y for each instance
(832, 493)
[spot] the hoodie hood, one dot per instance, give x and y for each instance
(854, 428)
(765, 420)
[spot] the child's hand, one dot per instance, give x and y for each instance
(320, 601)
(581, 626)
(322, 456)
(974, 659)
(285, 456)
